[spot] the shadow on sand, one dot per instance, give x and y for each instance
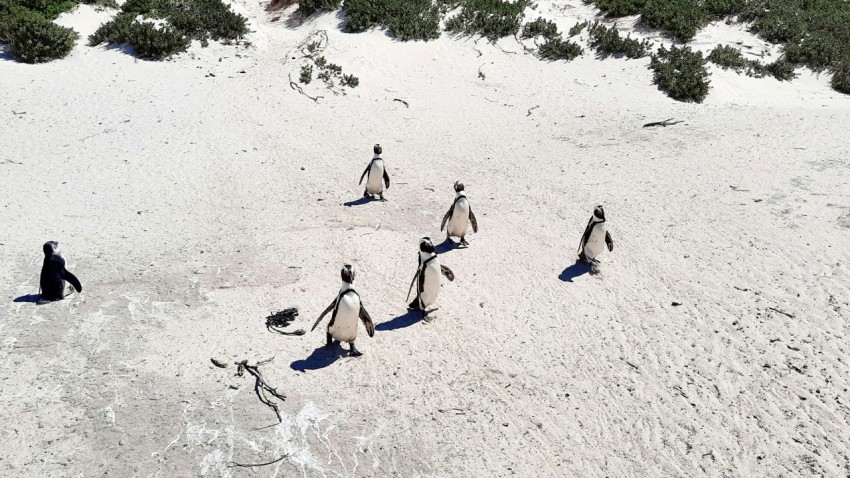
(446, 246)
(405, 320)
(319, 359)
(28, 298)
(575, 270)
(359, 202)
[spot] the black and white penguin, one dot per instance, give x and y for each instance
(54, 274)
(595, 238)
(458, 215)
(428, 276)
(377, 179)
(347, 310)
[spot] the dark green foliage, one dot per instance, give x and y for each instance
(728, 57)
(620, 8)
(841, 76)
(187, 19)
(720, 8)
(404, 19)
(493, 19)
(680, 73)
(309, 7)
(49, 9)
(38, 41)
(558, 49)
(781, 69)
(350, 81)
(682, 18)
(540, 27)
(306, 74)
(577, 28)
(607, 41)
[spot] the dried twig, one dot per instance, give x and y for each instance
(18, 112)
(233, 463)
(260, 386)
(218, 364)
(406, 105)
(791, 316)
(665, 123)
(297, 88)
(279, 320)
(532, 109)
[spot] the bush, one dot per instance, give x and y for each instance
(577, 28)
(728, 57)
(39, 41)
(49, 9)
(680, 73)
(607, 41)
(309, 7)
(404, 19)
(620, 8)
(781, 69)
(493, 19)
(540, 27)
(558, 49)
(682, 18)
(152, 43)
(841, 77)
(306, 74)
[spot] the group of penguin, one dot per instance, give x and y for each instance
(347, 309)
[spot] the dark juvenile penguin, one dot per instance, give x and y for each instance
(428, 276)
(595, 237)
(347, 309)
(54, 274)
(377, 176)
(458, 215)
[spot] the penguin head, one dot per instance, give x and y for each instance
(50, 248)
(599, 213)
(377, 149)
(425, 245)
(458, 187)
(348, 273)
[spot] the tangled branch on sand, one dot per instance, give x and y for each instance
(297, 88)
(665, 123)
(260, 385)
(282, 319)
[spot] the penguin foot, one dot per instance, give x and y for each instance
(463, 242)
(582, 257)
(381, 198)
(367, 195)
(353, 351)
(414, 305)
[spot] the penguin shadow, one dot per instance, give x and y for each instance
(320, 358)
(404, 320)
(578, 269)
(359, 202)
(32, 298)
(447, 246)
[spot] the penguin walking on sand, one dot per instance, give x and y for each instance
(54, 274)
(376, 176)
(458, 215)
(595, 238)
(347, 310)
(428, 276)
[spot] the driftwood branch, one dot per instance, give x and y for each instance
(532, 109)
(297, 88)
(406, 105)
(786, 314)
(233, 463)
(665, 123)
(261, 388)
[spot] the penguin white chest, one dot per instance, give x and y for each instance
(431, 283)
(460, 218)
(375, 182)
(596, 242)
(344, 327)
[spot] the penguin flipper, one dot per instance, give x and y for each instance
(367, 321)
(473, 221)
(72, 279)
(609, 241)
(447, 272)
(386, 179)
(585, 236)
(412, 282)
(365, 172)
(447, 217)
(330, 308)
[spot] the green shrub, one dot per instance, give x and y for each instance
(558, 49)
(781, 69)
(153, 43)
(38, 41)
(680, 73)
(404, 19)
(306, 74)
(607, 41)
(540, 27)
(49, 9)
(728, 57)
(620, 8)
(309, 7)
(577, 28)
(350, 81)
(841, 77)
(204, 19)
(720, 8)
(114, 31)
(493, 19)
(682, 18)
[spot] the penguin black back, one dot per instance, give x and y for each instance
(54, 274)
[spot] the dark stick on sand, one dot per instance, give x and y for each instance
(260, 385)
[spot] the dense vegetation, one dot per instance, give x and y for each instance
(607, 41)
(404, 19)
(26, 25)
(680, 73)
(730, 58)
(179, 22)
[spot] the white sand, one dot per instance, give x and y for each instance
(191, 206)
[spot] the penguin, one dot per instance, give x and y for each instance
(347, 309)
(594, 234)
(377, 176)
(428, 276)
(458, 215)
(54, 274)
